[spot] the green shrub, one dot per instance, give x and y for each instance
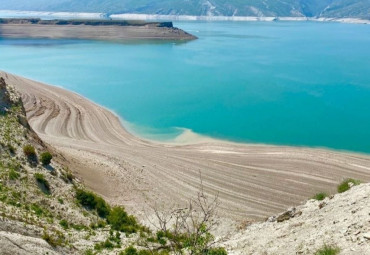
(13, 175)
(37, 209)
(130, 251)
(49, 239)
(45, 158)
(91, 201)
(328, 250)
(56, 240)
(101, 224)
(345, 185)
(79, 227)
(88, 252)
(320, 196)
(104, 245)
(42, 182)
(64, 224)
(29, 151)
(86, 199)
(146, 252)
(115, 238)
(102, 208)
(162, 237)
(121, 221)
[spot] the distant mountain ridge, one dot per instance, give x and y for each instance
(261, 8)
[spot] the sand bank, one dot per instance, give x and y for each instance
(99, 29)
(253, 181)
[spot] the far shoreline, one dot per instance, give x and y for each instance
(159, 17)
(91, 29)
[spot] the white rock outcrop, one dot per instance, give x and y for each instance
(13, 243)
(342, 221)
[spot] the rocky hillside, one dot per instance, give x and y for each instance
(41, 206)
(340, 223)
(295, 8)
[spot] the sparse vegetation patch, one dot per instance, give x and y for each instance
(64, 224)
(320, 196)
(121, 221)
(45, 158)
(91, 201)
(328, 250)
(347, 184)
(29, 151)
(13, 175)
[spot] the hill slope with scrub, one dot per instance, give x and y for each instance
(335, 224)
(271, 8)
(45, 209)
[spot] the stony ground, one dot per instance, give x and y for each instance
(342, 221)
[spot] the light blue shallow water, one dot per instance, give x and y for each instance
(286, 83)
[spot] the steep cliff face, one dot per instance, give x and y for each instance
(6, 99)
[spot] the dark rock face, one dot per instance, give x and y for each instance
(23, 121)
(291, 213)
(165, 24)
(4, 96)
(6, 102)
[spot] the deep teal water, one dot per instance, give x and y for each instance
(291, 83)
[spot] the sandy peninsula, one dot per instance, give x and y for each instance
(253, 181)
(91, 29)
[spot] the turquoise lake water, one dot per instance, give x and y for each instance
(290, 83)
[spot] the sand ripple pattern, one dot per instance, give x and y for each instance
(253, 181)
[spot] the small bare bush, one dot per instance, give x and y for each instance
(187, 230)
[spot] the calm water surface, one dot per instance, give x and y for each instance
(285, 83)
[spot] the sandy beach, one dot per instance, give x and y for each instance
(253, 181)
